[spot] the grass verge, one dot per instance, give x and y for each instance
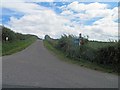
(9, 48)
(82, 63)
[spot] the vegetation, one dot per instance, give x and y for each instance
(15, 42)
(97, 55)
(0, 48)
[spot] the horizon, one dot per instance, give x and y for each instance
(98, 20)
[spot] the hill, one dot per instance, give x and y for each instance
(12, 42)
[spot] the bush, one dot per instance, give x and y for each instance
(88, 53)
(67, 45)
(53, 42)
(8, 33)
(109, 56)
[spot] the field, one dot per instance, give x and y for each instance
(96, 45)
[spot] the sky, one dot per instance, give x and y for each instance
(98, 20)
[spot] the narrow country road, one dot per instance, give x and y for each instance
(37, 67)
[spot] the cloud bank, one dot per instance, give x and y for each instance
(97, 20)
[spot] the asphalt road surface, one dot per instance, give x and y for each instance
(37, 67)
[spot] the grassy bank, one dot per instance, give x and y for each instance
(81, 62)
(13, 42)
(9, 48)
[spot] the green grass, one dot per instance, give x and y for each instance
(82, 63)
(96, 45)
(9, 48)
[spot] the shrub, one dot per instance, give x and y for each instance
(8, 33)
(109, 56)
(68, 46)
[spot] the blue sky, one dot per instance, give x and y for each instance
(57, 18)
(7, 13)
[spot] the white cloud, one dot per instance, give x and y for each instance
(67, 12)
(78, 7)
(40, 0)
(40, 21)
(12, 1)
(40, 24)
(37, 20)
(106, 22)
(22, 7)
(89, 11)
(103, 28)
(97, 32)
